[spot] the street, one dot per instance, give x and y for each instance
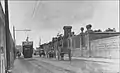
(45, 65)
(58, 36)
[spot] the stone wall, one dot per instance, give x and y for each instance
(106, 47)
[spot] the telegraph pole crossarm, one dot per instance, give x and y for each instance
(23, 30)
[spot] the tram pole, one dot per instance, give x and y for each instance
(14, 43)
(7, 36)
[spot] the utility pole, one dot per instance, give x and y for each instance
(39, 42)
(7, 36)
(15, 39)
(14, 34)
(14, 42)
(18, 30)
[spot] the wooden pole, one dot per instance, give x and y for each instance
(7, 35)
(14, 42)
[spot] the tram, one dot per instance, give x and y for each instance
(27, 48)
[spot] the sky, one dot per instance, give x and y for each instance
(46, 18)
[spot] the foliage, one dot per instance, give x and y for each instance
(89, 26)
(98, 30)
(110, 30)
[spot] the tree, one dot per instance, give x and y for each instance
(110, 30)
(98, 30)
(88, 27)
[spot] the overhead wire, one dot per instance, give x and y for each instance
(35, 7)
(37, 3)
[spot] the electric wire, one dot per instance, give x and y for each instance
(35, 8)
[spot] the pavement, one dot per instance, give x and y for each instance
(98, 59)
(77, 65)
(83, 65)
(22, 66)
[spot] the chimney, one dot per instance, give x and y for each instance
(67, 31)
